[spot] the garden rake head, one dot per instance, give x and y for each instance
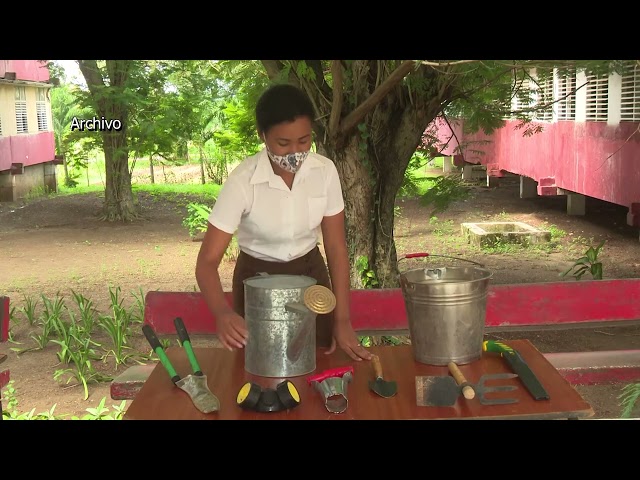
(482, 389)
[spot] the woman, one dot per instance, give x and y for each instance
(276, 200)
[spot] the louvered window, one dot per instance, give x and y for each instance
(544, 100)
(630, 104)
(41, 109)
(522, 100)
(21, 110)
(597, 98)
(566, 96)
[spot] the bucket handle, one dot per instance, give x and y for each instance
(424, 254)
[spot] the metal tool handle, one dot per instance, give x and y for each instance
(424, 254)
(467, 389)
(377, 366)
(186, 343)
(332, 372)
(157, 347)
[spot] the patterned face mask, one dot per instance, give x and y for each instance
(290, 162)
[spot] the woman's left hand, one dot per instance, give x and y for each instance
(345, 337)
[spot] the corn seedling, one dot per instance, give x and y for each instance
(87, 311)
(137, 314)
(117, 327)
(29, 309)
(84, 372)
(13, 318)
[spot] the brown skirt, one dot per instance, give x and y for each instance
(312, 265)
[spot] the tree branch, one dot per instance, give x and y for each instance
(352, 120)
(273, 68)
(336, 105)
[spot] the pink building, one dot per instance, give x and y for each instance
(27, 145)
(589, 145)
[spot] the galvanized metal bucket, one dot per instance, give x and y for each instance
(446, 311)
(275, 316)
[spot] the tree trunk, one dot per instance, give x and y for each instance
(200, 150)
(118, 198)
(357, 187)
(371, 178)
(153, 178)
(67, 180)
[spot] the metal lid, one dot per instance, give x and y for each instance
(280, 281)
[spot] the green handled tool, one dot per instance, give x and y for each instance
(519, 366)
(194, 385)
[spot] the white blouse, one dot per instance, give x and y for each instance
(272, 222)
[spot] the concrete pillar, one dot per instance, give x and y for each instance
(50, 183)
(576, 204)
(446, 164)
(7, 188)
(467, 173)
(493, 182)
(472, 173)
(528, 187)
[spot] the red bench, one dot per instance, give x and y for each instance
(375, 311)
(381, 311)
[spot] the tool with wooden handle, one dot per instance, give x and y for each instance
(467, 389)
(381, 386)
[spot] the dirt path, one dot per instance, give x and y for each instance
(58, 246)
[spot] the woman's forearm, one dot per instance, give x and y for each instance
(210, 285)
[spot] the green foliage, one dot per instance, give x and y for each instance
(629, 398)
(444, 190)
(197, 219)
(11, 412)
(588, 263)
(367, 275)
(73, 334)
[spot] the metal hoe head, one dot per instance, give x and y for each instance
(196, 387)
(481, 389)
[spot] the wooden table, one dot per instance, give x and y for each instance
(159, 399)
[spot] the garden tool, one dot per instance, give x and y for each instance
(443, 391)
(194, 385)
(381, 386)
(332, 384)
(317, 300)
(519, 366)
(467, 389)
(252, 397)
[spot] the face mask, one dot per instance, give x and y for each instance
(291, 162)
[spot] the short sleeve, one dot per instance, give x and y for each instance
(335, 201)
(229, 207)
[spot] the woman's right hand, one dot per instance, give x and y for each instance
(232, 330)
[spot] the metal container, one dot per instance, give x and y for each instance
(446, 311)
(275, 315)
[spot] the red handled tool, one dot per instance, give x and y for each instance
(332, 385)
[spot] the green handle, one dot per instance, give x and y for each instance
(157, 347)
(186, 343)
(495, 346)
